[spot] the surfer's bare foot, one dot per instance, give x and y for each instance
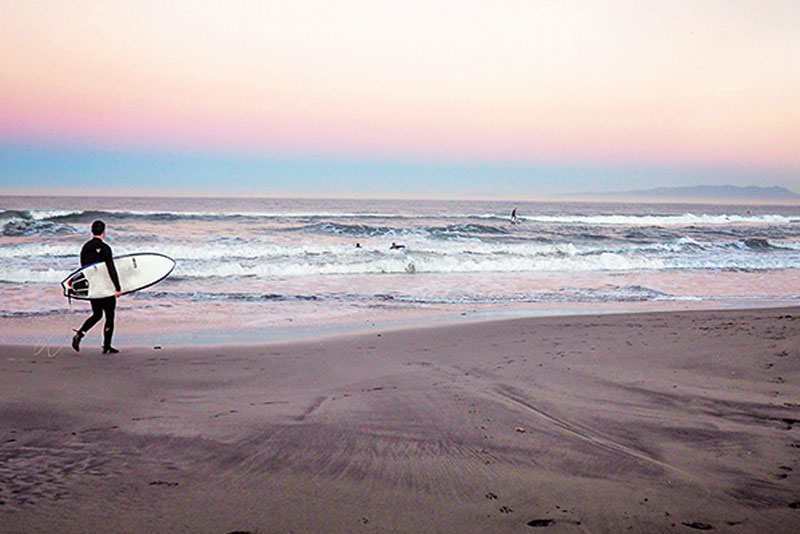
(110, 350)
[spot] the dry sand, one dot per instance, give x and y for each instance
(663, 422)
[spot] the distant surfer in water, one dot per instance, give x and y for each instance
(395, 246)
(94, 251)
(514, 215)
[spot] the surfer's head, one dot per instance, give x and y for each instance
(98, 228)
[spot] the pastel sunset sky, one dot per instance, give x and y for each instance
(515, 98)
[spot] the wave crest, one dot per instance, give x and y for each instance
(32, 227)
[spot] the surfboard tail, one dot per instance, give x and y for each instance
(76, 286)
(136, 271)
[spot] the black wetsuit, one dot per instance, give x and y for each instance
(95, 251)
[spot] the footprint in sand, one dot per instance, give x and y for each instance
(698, 526)
(164, 483)
(785, 472)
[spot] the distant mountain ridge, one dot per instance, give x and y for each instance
(712, 192)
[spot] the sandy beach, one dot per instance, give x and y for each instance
(651, 422)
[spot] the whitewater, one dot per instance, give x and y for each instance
(261, 264)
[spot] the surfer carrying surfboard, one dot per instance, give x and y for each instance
(95, 251)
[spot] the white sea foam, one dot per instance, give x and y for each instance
(687, 219)
(418, 264)
(40, 215)
(456, 252)
(684, 219)
(22, 275)
(423, 256)
(43, 250)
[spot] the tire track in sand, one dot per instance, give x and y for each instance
(512, 395)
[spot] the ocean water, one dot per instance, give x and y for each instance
(262, 264)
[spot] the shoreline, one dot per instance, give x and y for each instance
(173, 330)
(642, 422)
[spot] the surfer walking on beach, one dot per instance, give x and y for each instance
(95, 251)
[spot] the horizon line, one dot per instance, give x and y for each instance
(589, 198)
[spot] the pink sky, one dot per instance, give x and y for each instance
(713, 82)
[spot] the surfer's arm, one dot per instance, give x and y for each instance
(112, 271)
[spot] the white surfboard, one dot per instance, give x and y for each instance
(136, 271)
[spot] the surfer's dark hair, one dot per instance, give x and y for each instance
(98, 227)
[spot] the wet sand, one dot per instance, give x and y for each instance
(652, 422)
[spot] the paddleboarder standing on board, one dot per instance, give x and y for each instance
(95, 251)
